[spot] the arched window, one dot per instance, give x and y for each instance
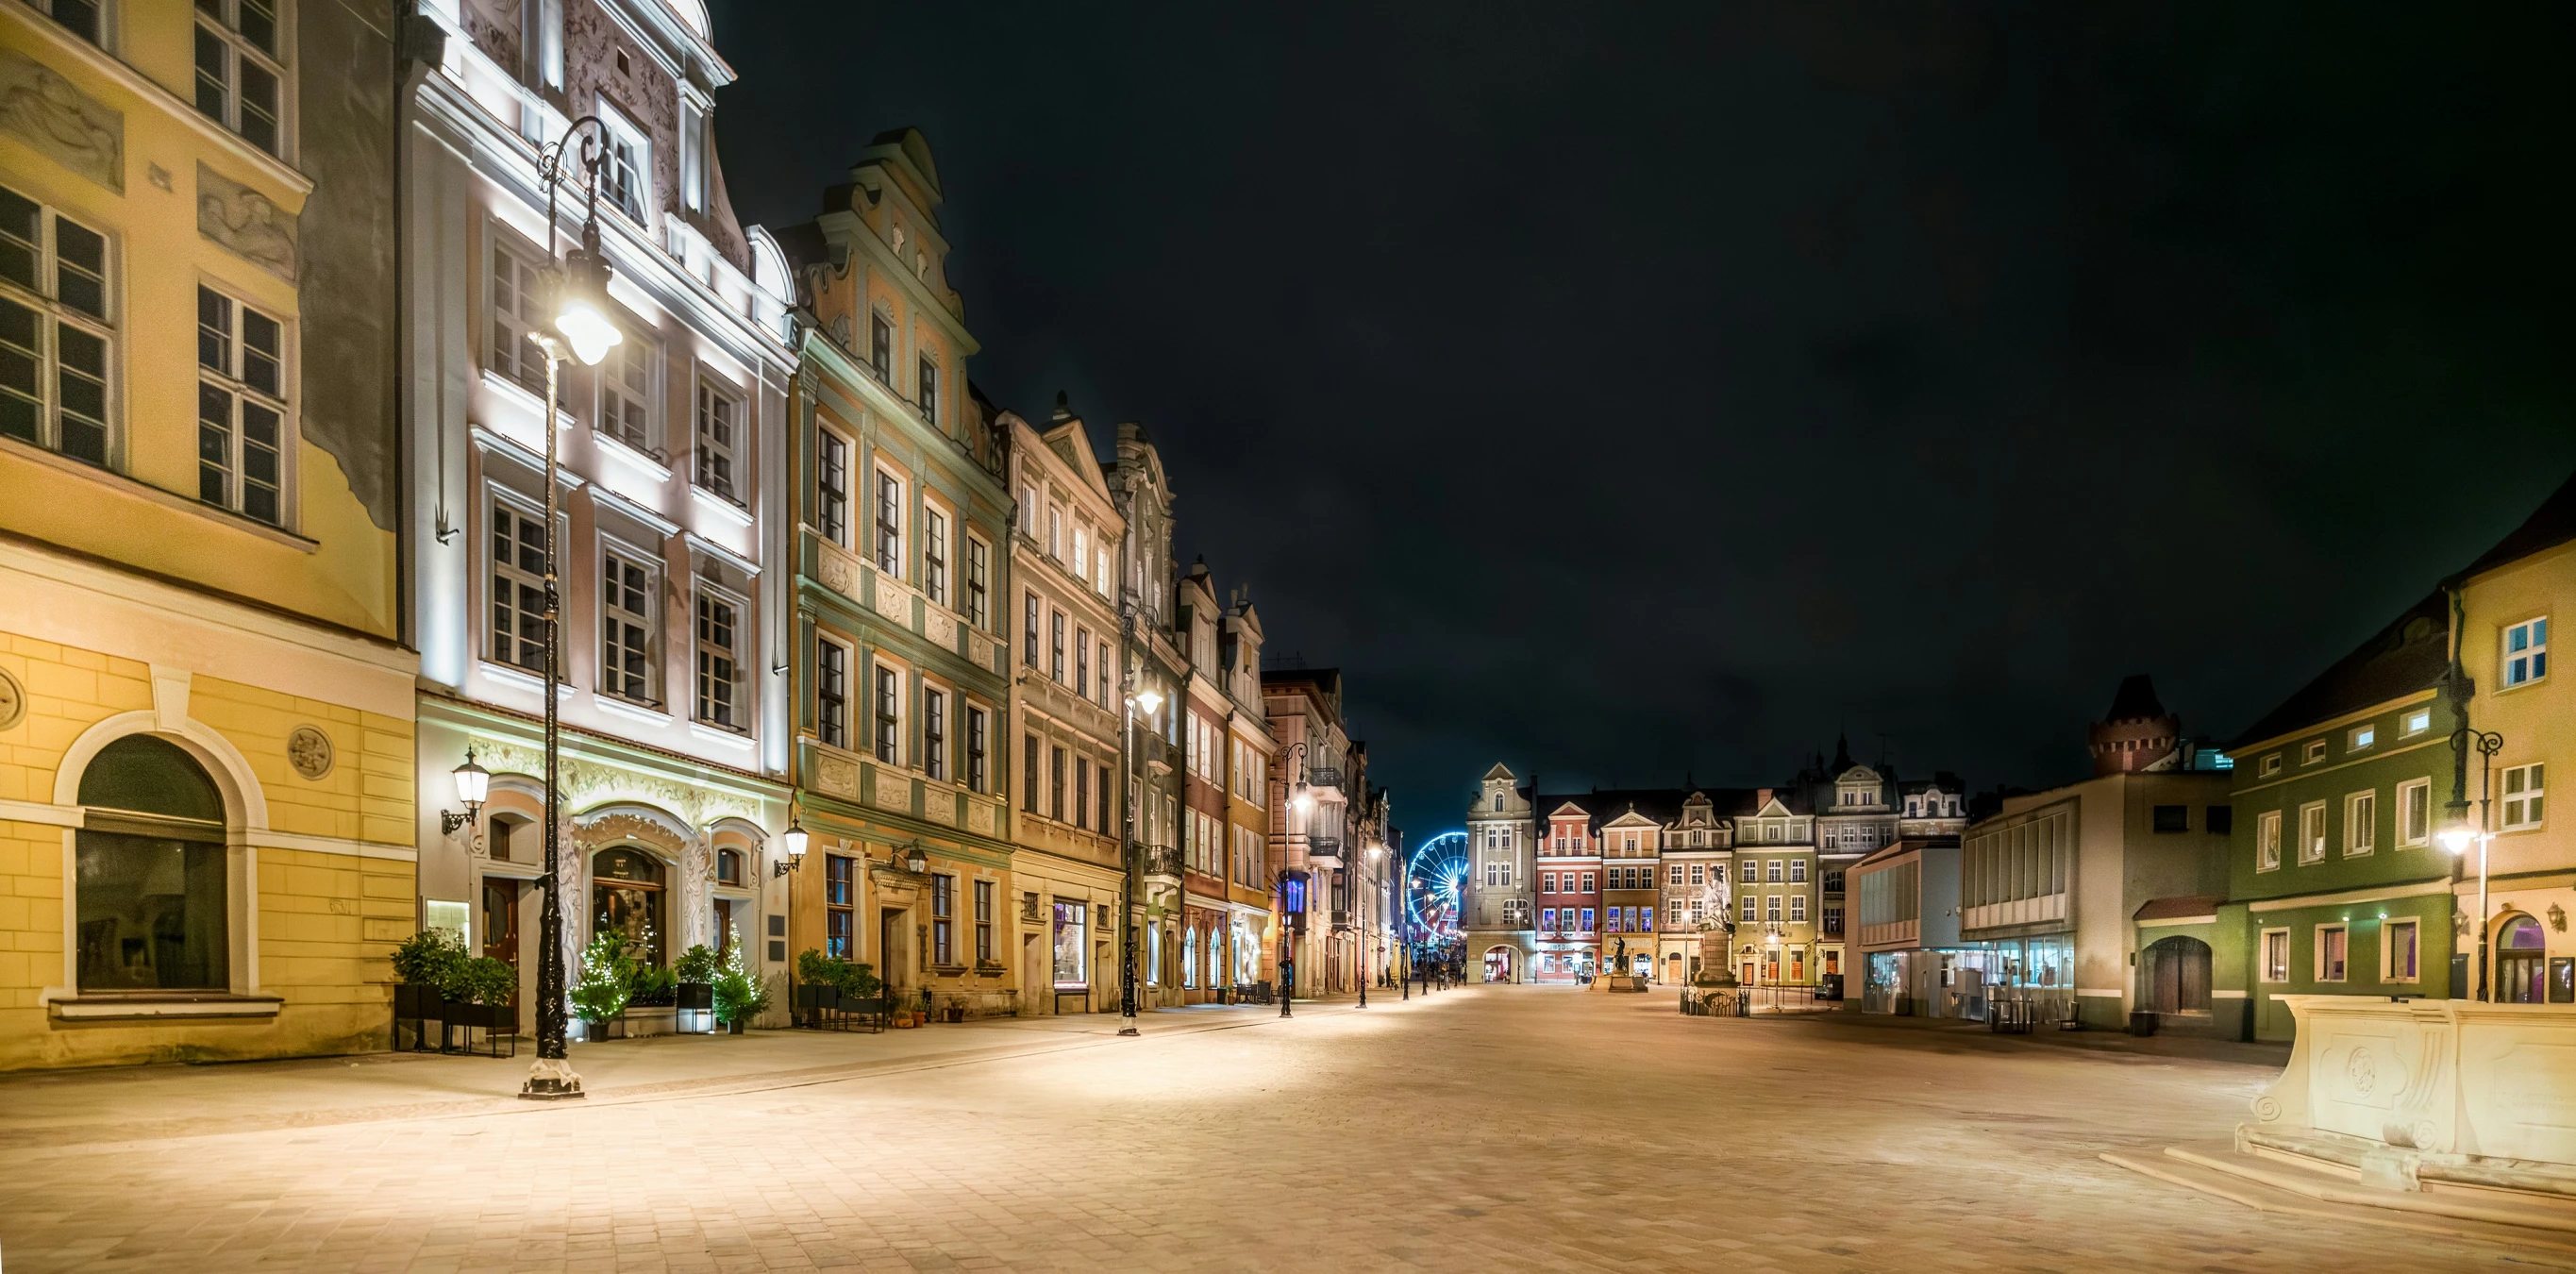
(1498, 801)
(627, 895)
(153, 878)
(728, 867)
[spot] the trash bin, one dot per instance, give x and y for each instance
(2142, 1022)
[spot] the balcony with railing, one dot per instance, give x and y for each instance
(1324, 847)
(1163, 861)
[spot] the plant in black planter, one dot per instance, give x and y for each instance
(600, 993)
(740, 996)
(478, 991)
(697, 969)
(424, 962)
(651, 988)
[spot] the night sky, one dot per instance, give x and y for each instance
(1640, 391)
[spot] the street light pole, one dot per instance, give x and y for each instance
(2458, 838)
(580, 324)
(1129, 849)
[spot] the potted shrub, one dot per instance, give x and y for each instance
(478, 991)
(423, 962)
(599, 994)
(860, 989)
(740, 996)
(697, 970)
(818, 984)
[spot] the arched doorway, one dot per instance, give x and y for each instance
(627, 896)
(2176, 973)
(1498, 964)
(2522, 961)
(152, 874)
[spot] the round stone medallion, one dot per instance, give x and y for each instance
(309, 750)
(13, 701)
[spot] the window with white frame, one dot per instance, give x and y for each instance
(2401, 951)
(626, 392)
(2267, 840)
(239, 67)
(2414, 721)
(2526, 652)
(719, 660)
(626, 613)
(1771, 908)
(2331, 953)
(934, 732)
(1771, 870)
(54, 335)
(625, 165)
(513, 299)
(2312, 751)
(719, 440)
(1797, 908)
(2361, 737)
(1082, 551)
(887, 713)
(2276, 955)
(979, 584)
(889, 524)
(1797, 871)
(934, 553)
(832, 486)
(83, 18)
(241, 408)
(2522, 797)
(518, 587)
(2414, 813)
(1055, 532)
(1752, 871)
(831, 691)
(2312, 832)
(2271, 765)
(2360, 823)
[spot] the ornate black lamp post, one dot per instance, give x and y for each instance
(578, 288)
(2459, 836)
(1130, 850)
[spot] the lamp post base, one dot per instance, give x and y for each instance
(1127, 1026)
(551, 1079)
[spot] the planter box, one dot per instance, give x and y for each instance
(697, 995)
(659, 1020)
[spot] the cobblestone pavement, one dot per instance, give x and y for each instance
(1498, 1128)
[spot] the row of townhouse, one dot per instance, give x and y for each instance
(273, 509)
(1566, 887)
(2383, 831)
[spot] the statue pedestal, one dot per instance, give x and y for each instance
(1713, 990)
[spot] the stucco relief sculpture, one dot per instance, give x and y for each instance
(42, 109)
(246, 223)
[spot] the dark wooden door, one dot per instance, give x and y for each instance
(501, 927)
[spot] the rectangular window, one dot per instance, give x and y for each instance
(1100, 819)
(1752, 871)
(832, 486)
(1751, 908)
(1082, 661)
(2312, 832)
(1771, 908)
(2172, 818)
(241, 408)
(1587, 883)
(2361, 737)
(943, 919)
(930, 391)
(1587, 921)
(2311, 752)
(2526, 652)
(1697, 876)
(979, 584)
(1055, 645)
(513, 301)
(625, 379)
(1833, 926)
(626, 166)
(518, 588)
(2271, 765)
(840, 906)
(1070, 948)
(2414, 813)
(1082, 791)
(934, 733)
(2360, 823)
(2267, 840)
(626, 611)
(2276, 955)
(1771, 871)
(1055, 785)
(719, 670)
(2330, 953)
(1547, 918)
(238, 69)
(1797, 871)
(2415, 721)
(983, 922)
(934, 554)
(1797, 908)
(1105, 668)
(881, 347)
(53, 331)
(889, 524)
(2400, 963)
(719, 436)
(154, 913)
(1029, 773)
(2522, 795)
(889, 713)
(978, 725)
(1029, 630)
(831, 692)
(80, 17)
(1674, 876)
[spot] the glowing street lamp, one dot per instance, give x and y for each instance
(2459, 835)
(473, 783)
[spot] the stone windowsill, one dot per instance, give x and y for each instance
(152, 1005)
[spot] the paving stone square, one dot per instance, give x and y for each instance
(1491, 1128)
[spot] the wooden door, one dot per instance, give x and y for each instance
(501, 927)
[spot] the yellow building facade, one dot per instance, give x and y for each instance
(206, 793)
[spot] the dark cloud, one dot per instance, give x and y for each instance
(1625, 390)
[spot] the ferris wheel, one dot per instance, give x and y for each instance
(1435, 883)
